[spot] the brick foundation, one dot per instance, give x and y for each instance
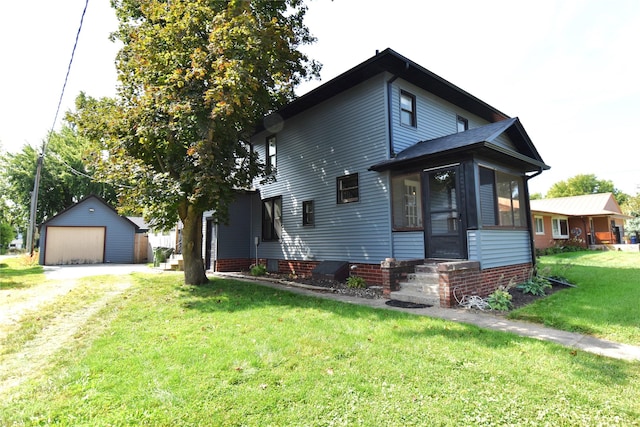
(371, 273)
(233, 264)
(457, 278)
(297, 268)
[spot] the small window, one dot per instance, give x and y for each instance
(272, 219)
(560, 228)
(462, 124)
(407, 203)
(348, 189)
(539, 225)
(271, 153)
(307, 212)
(407, 109)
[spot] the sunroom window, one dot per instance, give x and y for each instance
(501, 199)
(407, 203)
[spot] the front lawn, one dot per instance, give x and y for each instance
(19, 272)
(236, 353)
(604, 303)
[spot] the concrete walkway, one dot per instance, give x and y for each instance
(485, 320)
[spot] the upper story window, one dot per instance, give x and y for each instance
(271, 153)
(348, 188)
(407, 202)
(307, 212)
(560, 228)
(462, 124)
(272, 219)
(407, 109)
(539, 224)
(501, 199)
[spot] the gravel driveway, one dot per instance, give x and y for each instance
(15, 303)
(61, 272)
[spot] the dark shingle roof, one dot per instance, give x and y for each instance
(480, 138)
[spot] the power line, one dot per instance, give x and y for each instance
(36, 182)
(66, 78)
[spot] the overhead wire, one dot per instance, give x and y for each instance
(64, 86)
(66, 78)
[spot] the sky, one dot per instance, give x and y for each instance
(570, 70)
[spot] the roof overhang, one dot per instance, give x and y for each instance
(610, 214)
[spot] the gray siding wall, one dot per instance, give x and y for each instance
(408, 245)
(435, 117)
(119, 239)
(234, 238)
(498, 248)
(343, 136)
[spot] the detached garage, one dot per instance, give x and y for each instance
(89, 232)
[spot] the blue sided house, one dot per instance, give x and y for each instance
(89, 232)
(414, 183)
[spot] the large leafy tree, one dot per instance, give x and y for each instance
(196, 77)
(585, 184)
(65, 177)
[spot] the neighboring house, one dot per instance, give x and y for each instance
(16, 244)
(89, 232)
(593, 219)
(383, 167)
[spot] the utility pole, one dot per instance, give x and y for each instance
(34, 203)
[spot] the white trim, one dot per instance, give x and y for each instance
(535, 219)
(556, 230)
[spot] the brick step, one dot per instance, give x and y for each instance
(418, 287)
(415, 297)
(425, 278)
(426, 268)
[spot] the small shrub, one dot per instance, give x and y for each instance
(258, 270)
(500, 300)
(534, 286)
(356, 282)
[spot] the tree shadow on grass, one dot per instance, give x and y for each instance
(12, 278)
(228, 296)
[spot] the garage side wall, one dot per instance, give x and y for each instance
(92, 212)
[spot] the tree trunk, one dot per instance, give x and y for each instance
(191, 217)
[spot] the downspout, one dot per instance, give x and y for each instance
(529, 220)
(391, 154)
(389, 116)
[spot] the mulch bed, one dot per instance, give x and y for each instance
(518, 298)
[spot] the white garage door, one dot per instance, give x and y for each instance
(74, 245)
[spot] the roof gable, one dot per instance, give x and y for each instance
(389, 61)
(483, 138)
(589, 204)
(85, 200)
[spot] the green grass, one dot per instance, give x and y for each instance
(19, 272)
(233, 353)
(605, 302)
(34, 321)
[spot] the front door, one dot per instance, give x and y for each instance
(443, 232)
